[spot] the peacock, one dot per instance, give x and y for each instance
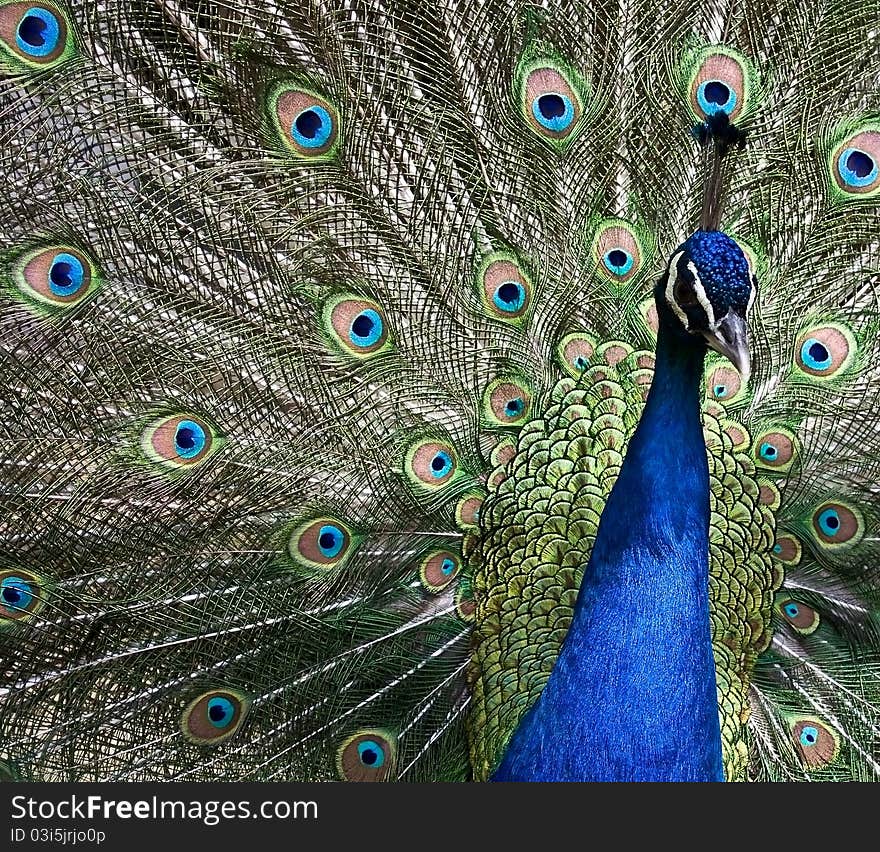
(462, 390)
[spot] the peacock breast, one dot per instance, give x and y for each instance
(539, 524)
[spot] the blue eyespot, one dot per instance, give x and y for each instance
(371, 753)
(777, 548)
(714, 96)
(720, 391)
(189, 439)
(330, 540)
(441, 464)
(220, 711)
(447, 566)
(554, 111)
(16, 593)
(815, 354)
(580, 363)
(366, 329)
(792, 610)
(618, 261)
(809, 736)
(510, 297)
(312, 128)
(829, 522)
(38, 32)
(514, 407)
(66, 275)
(856, 167)
(768, 452)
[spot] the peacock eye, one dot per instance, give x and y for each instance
(837, 524)
(574, 352)
(554, 111)
(817, 743)
(504, 288)
(618, 261)
(308, 124)
(714, 96)
(33, 35)
(721, 81)
(431, 464)
(366, 756)
(312, 127)
(214, 716)
(438, 570)
(804, 619)
(857, 168)
(551, 104)
(55, 278)
(854, 163)
(322, 543)
(825, 351)
(776, 448)
(506, 402)
(20, 595)
(356, 326)
(815, 355)
(180, 441)
(510, 296)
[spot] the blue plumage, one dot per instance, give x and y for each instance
(640, 645)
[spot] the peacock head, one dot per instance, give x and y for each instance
(710, 288)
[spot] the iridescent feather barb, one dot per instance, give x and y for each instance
(325, 329)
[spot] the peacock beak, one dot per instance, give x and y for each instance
(730, 337)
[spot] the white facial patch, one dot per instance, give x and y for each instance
(752, 295)
(671, 278)
(700, 293)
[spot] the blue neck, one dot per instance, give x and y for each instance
(632, 695)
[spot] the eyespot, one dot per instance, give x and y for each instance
(648, 311)
(306, 122)
(439, 569)
(737, 434)
(21, 595)
(506, 402)
(720, 82)
(503, 452)
(505, 290)
(214, 716)
(724, 384)
(431, 464)
(322, 543)
(804, 619)
(467, 511)
(817, 743)
(836, 524)
(465, 605)
(787, 549)
(769, 495)
(179, 441)
(33, 36)
(825, 351)
(855, 164)
(57, 277)
(775, 449)
(551, 104)
(368, 755)
(618, 251)
(614, 351)
(575, 353)
(357, 326)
